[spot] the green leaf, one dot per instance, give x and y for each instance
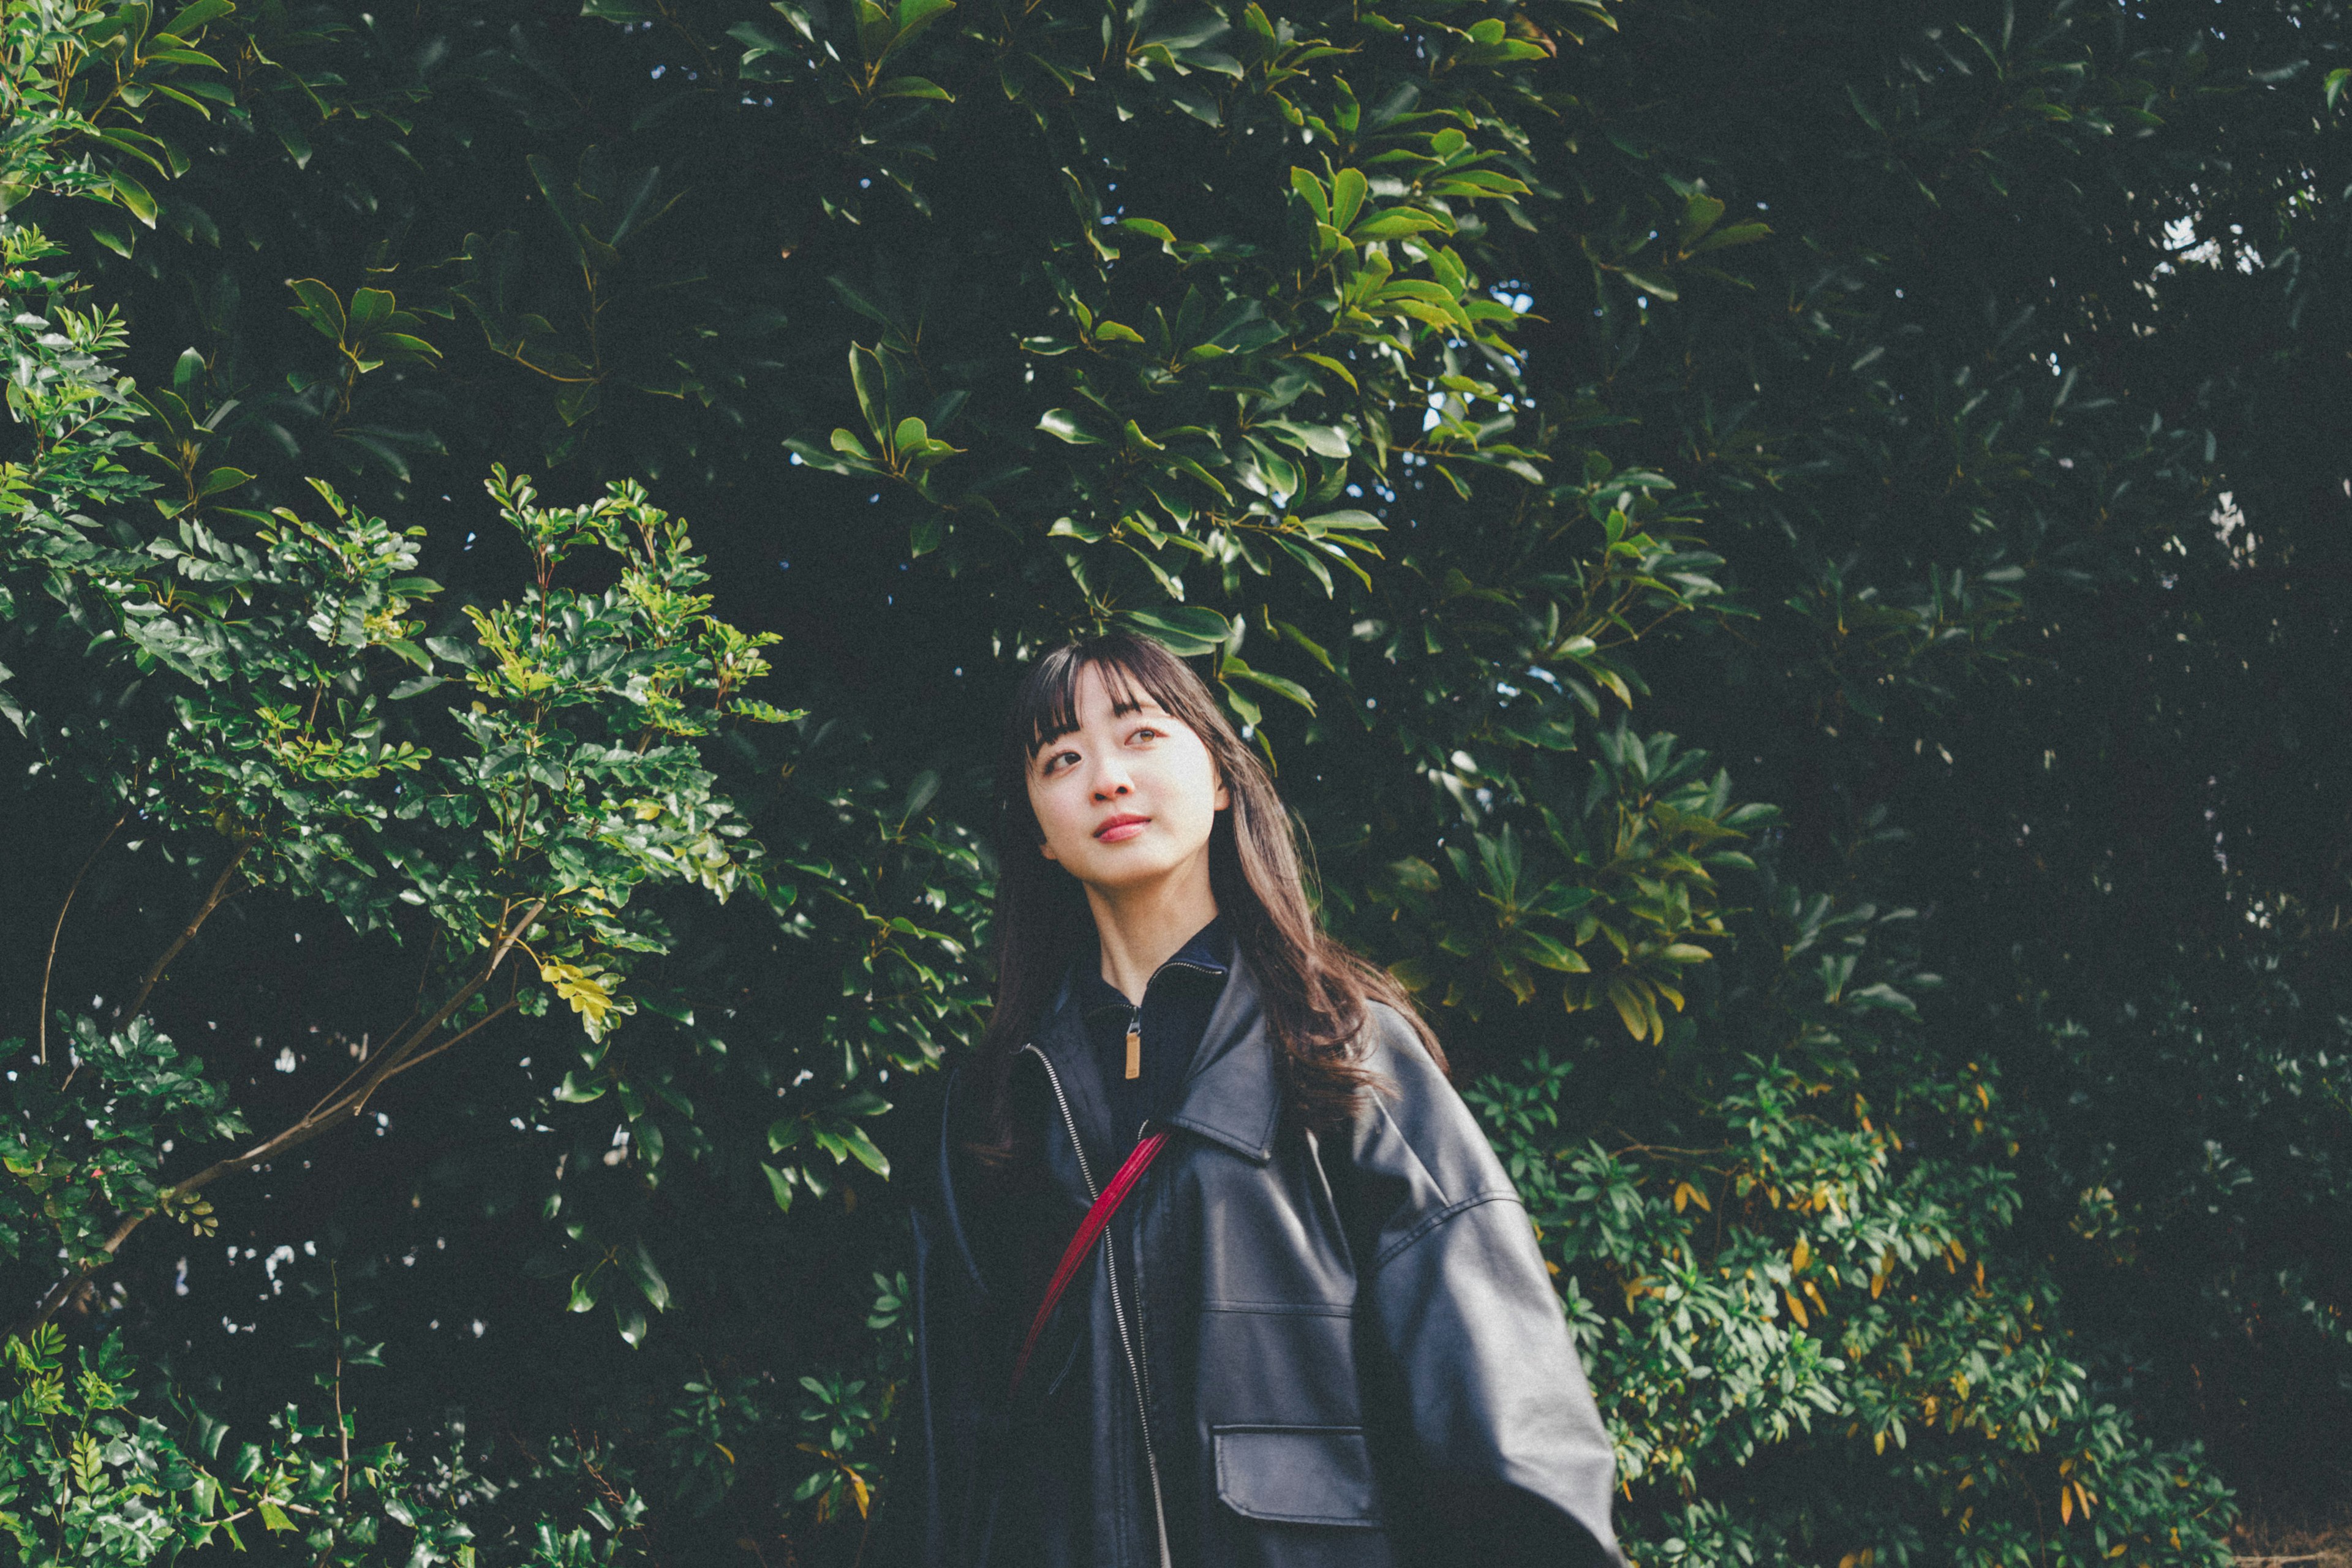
(196, 15)
(1349, 189)
(369, 308)
(1323, 441)
(132, 197)
(587, 1289)
(1731, 235)
(914, 16)
(1552, 953)
(1235, 668)
(1061, 422)
(864, 1148)
(1700, 214)
(913, 87)
(649, 1282)
(1350, 520)
(1395, 223)
(629, 1317)
(1651, 286)
(1188, 630)
(873, 397)
(320, 306)
(1335, 367)
(401, 345)
(1311, 190)
(574, 1091)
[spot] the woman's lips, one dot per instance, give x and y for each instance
(1119, 829)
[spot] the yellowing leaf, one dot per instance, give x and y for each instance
(589, 994)
(1802, 1255)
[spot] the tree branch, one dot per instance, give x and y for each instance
(503, 1008)
(311, 1125)
(187, 935)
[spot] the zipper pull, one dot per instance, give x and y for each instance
(1135, 1047)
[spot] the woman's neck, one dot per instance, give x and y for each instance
(1140, 930)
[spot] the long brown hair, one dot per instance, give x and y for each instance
(1314, 990)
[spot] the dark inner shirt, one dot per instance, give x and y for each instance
(1177, 1003)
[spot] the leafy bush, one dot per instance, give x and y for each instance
(1473, 393)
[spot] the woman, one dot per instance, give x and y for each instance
(1317, 1330)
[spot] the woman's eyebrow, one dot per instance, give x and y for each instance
(1047, 747)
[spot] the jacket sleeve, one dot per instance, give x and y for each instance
(929, 1515)
(1510, 1463)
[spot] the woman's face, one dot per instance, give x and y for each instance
(1126, 800)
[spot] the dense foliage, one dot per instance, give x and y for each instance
(1789, 562)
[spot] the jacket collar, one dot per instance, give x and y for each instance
(1231, 1096)
(1210, 952)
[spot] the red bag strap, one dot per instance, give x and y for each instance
(1090, 1230)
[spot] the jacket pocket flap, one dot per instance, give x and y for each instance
(1297, 1475)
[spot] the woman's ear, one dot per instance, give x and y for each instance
(1225, 797)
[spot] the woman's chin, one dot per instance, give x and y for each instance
(1141, 869)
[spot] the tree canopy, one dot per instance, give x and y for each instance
(1789, 561)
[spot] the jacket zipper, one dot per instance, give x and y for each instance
(1118, 1313)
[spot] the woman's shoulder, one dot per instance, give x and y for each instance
(1416, 1119)
(1393, 1046)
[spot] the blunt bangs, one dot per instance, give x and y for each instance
(1050, 707)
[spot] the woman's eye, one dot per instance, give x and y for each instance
(1147, 733)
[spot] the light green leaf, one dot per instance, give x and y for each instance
(1061, 422)
(913, 87)
(1188, 630)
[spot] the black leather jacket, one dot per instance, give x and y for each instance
(1347, 1355)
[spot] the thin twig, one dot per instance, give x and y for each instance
(421, 1059)
(342, 1427)
(863, 1535)
(59, 929)
(187, 935)
(424, 977)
